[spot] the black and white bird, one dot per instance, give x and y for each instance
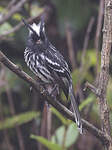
(49, 65)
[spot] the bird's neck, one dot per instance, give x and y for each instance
(37, 47)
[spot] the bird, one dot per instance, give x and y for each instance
(48, 64)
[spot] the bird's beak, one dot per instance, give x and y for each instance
(28, 26)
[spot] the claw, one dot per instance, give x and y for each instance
(55, 88)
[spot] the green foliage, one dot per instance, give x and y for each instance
(67, 12)
(59, 135)
(67, 132)
(88, 63)
(109, 98)
(87, 101)
(90, 57)
(59, 116)
(45, 142)
(3, 10)
(57, 139)
(18, 120)
(70, 136)
(17, 17)
(109, 93)
(5, 27)
(35, 10)
(72, 14)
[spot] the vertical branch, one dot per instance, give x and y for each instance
(12, 109)
(101, 90)
(11, 105)
(86, 40)
(85, 46)
(104, 73)
(98, 31)
(49, 123)
(70, 46)
(5, 132)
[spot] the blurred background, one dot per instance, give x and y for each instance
(75, 28)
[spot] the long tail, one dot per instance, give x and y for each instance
(75, 108)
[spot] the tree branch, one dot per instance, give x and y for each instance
(100, 91)
(86, 41)
(104, 73)
(55, 103)
(70, 46)
(13, 10)
(17, 27)
(98, 32)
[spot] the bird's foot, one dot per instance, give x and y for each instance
(55, 90)
(42, 90)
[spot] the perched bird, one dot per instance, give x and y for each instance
(49, 65)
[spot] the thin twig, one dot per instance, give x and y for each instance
(13, 10)
(85, 46)
(49, 123)
(10, 5)
(43, 128)
(35, 104)
(11, 105)
(104, 72)
(98, 32)
(17, 27)
(70, 46)
(86, 41)
(5, 132)
(92, 88)
(62, 109)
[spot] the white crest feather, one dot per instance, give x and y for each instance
(36, 28)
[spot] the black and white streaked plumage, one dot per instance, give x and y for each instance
(49, 65)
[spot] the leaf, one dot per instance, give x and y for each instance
(5, 27)
(59, 116)
(72, 135)
(59, 134)
(17, 17)
(18, 119)
(91, 55)
(86, 102)
(1, 9)
(50, 145)
(35, 10)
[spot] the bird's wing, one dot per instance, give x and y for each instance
(56, 61)
(58, 67)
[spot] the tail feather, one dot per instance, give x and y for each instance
(75, 108)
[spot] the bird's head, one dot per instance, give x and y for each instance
(36, 31)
